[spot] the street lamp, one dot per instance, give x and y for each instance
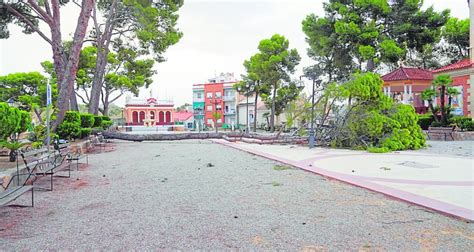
(247, 86)
(312, 138)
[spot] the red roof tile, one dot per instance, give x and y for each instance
(182, 116)
(465, 63)
(405, 73)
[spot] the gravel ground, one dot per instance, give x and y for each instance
(458, 148)
(201, 195)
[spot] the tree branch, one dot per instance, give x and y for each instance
(47, 18)
(29, 23)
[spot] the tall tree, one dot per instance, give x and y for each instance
(456, 35)
(277, 63)
(147, 27)
(252, 84)
(29, 89)
(28, 14)
(124, 72)
(363, 35)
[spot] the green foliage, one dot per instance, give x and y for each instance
(375, 121)
(425, 121)
(69, 130)
(106, 124)
(25, 121)
(11, 145)
(362, 34)
(456, 34)
(87, 120)
(378, 149)
(12, 120)
(97, 121)
(28, 88)
(72, 116)
(37, 145)
(106, 118)
(465, 123)
(86, 132)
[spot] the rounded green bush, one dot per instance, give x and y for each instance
(85, 132)
(72, 117)
(69, 130)
(87, 120)
(97, 121)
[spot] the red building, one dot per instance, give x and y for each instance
(461, 73)
(149, 112)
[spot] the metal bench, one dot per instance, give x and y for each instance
(11, 192)
(441, 131)
(43, 163)
(70, 155)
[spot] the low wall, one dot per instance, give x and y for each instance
(457, 135)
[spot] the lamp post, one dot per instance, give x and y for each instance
(312, 138)
(247, 86)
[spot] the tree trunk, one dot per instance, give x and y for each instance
(103, 43)
(370, 65)
(255, 112)
(430, 104)
(73, 102)
(442, 106)
(70, 71)
(272, 114)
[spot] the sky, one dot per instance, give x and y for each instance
(218, 36)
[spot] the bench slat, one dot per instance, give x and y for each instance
(13, 193)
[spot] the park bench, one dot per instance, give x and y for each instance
(43, 163)
(441, 131)
(11, 192)
(99, 141)
(71, 155)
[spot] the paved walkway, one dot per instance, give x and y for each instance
(198, 195)
(441, 182)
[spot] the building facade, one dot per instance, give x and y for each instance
(405, 85)
(148, 112)
(216, 97)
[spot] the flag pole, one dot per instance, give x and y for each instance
(48, 105)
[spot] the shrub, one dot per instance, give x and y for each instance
(97, 121)
(36, 145)
(106, 124)
(435, 124)
(378, 149)
(72, 117)
(467, 125)
(425, 121)
(10, 120)
(106, 118)
(25, 121)
(69, 130)
(463, 122)
(85, 132)
(87, 120)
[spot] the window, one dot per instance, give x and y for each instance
(209, 95)
(209, 108)
(218, 107)
(209, 121)
(226, 108)
(229, 93)
(199, 95)
(218, 94)
(219, 120)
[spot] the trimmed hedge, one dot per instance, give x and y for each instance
(87, 120)
(97, 121)
(85, 132)
(69, 130)
(463, 122)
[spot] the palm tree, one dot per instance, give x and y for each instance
(428, 95)
(443, 82)
(216, 116)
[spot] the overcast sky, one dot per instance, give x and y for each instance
(218, 36)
